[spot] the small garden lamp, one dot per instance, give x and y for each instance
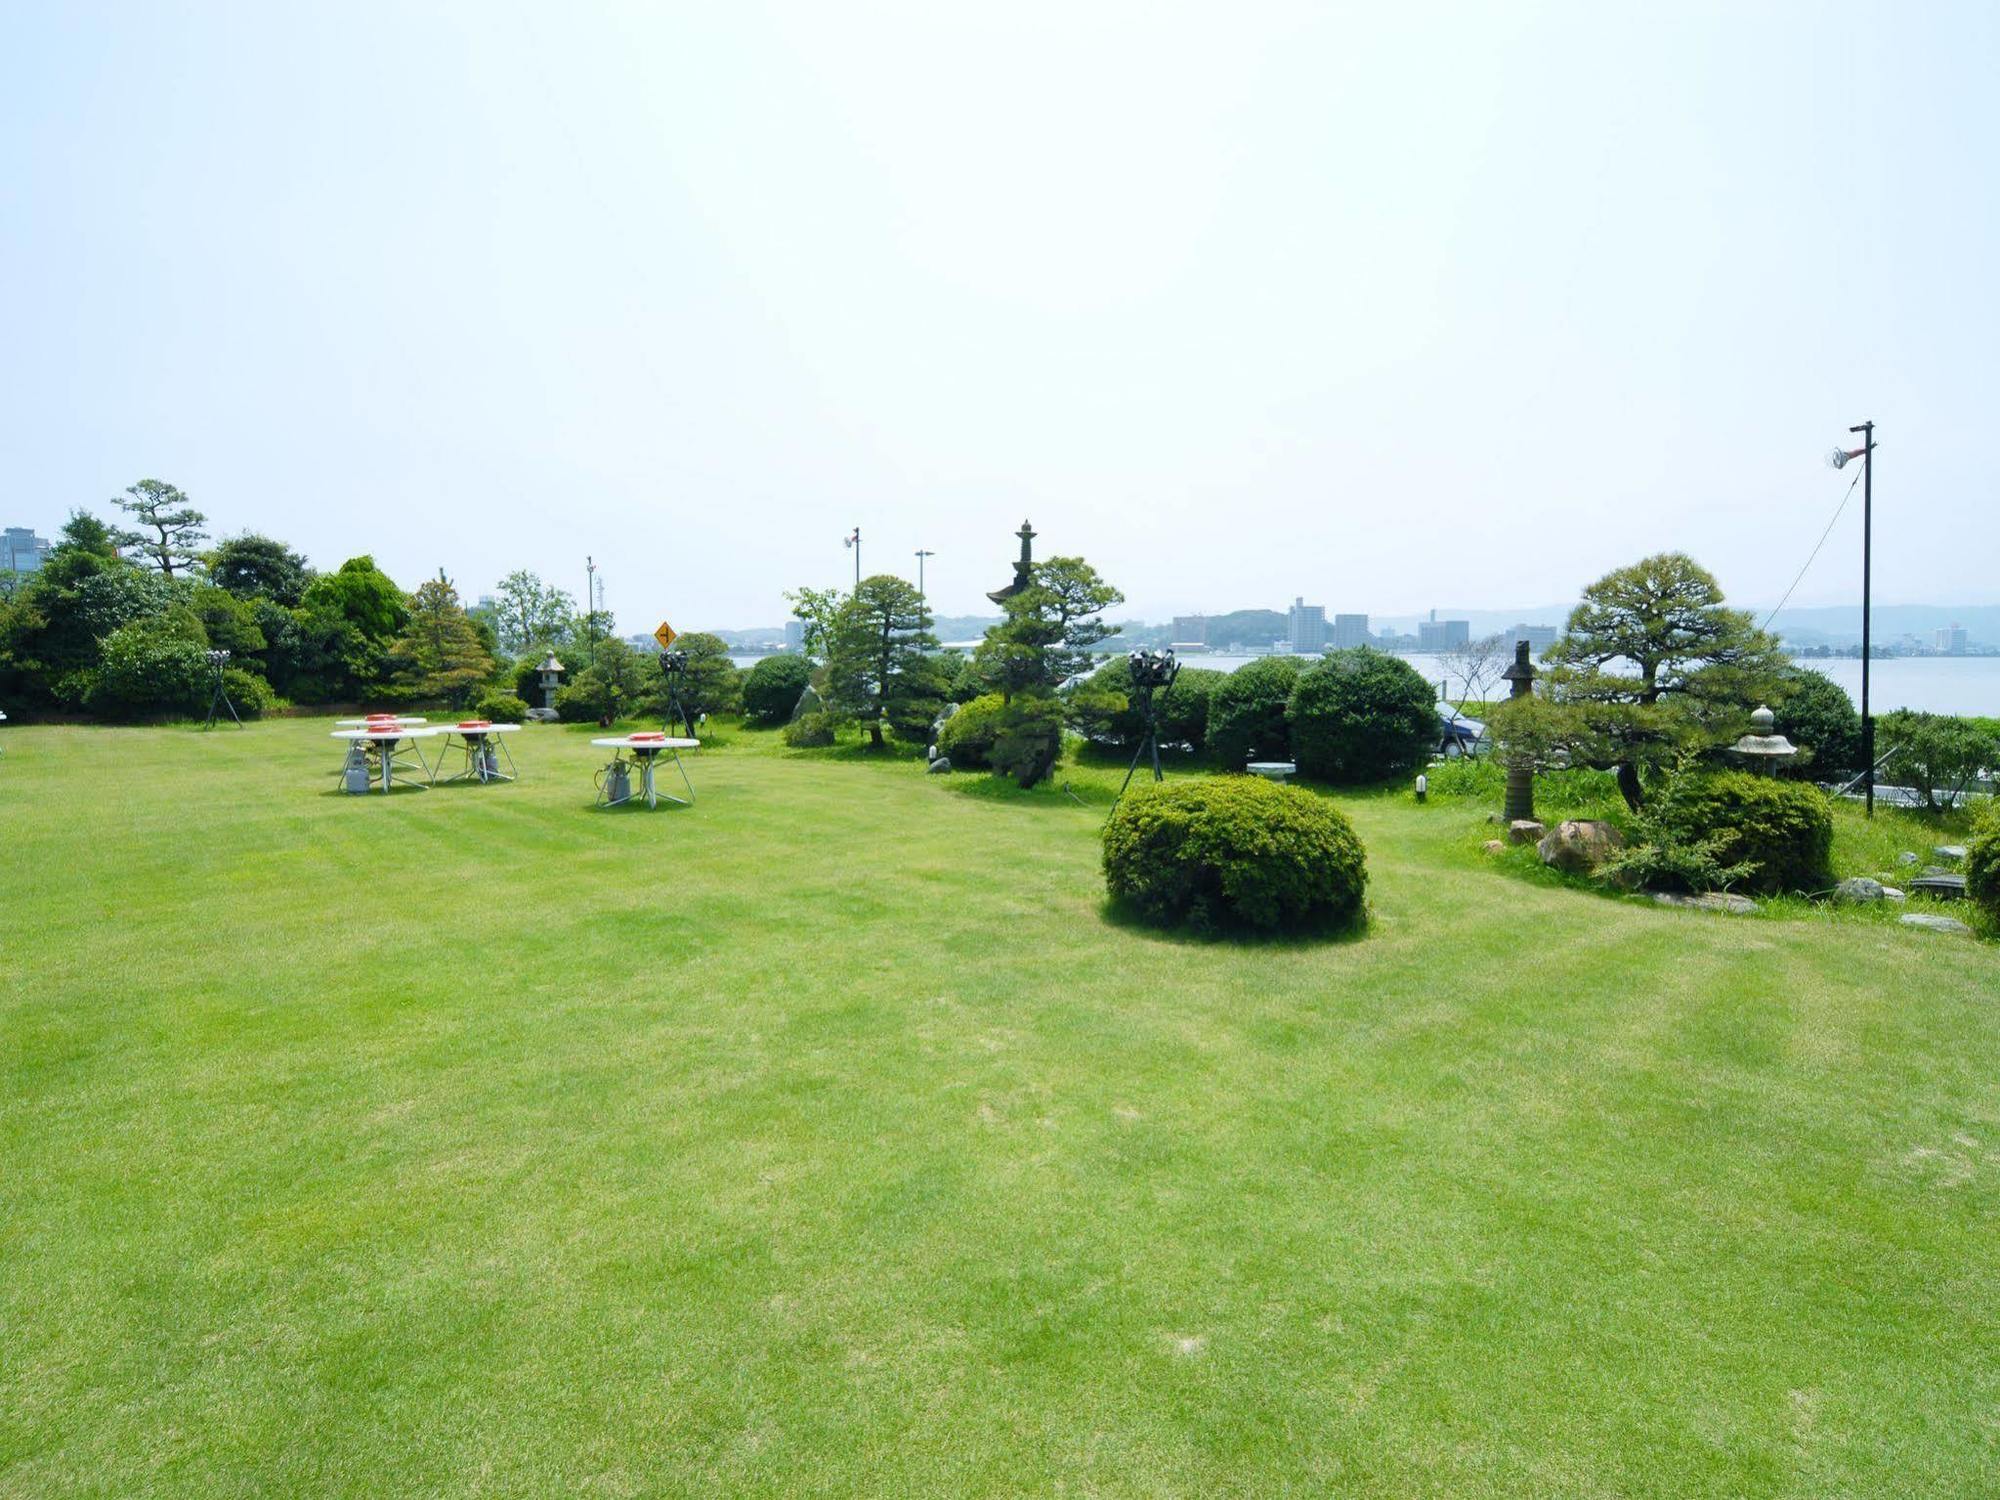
(1763, 748)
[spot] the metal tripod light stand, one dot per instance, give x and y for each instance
(1153, 672)
(217, 660)
(673, 667)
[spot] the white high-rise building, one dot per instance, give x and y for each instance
(1349, 631)
(1307, 626)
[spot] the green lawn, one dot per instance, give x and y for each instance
(828, 1138)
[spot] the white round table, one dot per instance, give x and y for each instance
(646, 749)
(387, 743)
(483, 747)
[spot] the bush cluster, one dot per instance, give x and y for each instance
(814, 731)
(1246, 712)
(1104, 709)
(773, 689)
(968, 735)
(1234, 852)
(1362, 716)
(501, 708)
(1784, 829)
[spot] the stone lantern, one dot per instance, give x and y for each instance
(1520, 806)
(550, 670)
(1762, 748)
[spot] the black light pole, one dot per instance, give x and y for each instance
(590, 605)
(1867, 431)
(921, 555)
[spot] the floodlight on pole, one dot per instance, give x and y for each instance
(1839, 459)
(922, 553)
(854, 541)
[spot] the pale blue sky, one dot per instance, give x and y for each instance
(1390, 306)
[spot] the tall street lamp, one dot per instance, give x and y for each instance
(1840, 458)
(922, 553)
(855, 542)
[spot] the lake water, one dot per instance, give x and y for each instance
(1934, 684)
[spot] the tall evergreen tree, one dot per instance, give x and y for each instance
(169, 528)
(439, 654)
(877, 669)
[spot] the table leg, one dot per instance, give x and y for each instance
(652, 797)
(388, 749)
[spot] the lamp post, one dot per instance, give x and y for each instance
(922, 553)
(590, 605)
(1520, 804)
(1839, 458)
(855, 542)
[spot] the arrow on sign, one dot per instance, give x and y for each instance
(666, 635)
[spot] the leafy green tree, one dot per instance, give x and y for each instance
(711, 685)
(530, 616)
(1816, 715)
(260, 567)
(158, 664)
(81, 594)
(362, 595)
(229, 622)
(168, 529)
(816, 610)
(1104, 709)
(1360, 715)
(877, 670)
(439, 654)
(1652, 663)
(772, 688)
(1939, 755)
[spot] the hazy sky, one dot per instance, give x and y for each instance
(1390, 306)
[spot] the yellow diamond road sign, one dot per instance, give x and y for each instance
(666, 635)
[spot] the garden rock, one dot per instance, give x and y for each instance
(1951, 854)
(1906, 858)
(1935, 924)
(1737, 906)
(1890, 893)
(940, 767)
(1580, 845)
(1494, 846)
(1859, 890)
(1525, 831)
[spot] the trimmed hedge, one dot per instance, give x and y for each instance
(811, 731)
(1784, 827)
(1104, 710)
(1362, 716)
(501, 708)
(1233, 852)
(1982, 862)
(1246, 712)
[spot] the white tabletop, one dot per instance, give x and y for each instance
(392, 719)
(633, 742)
(477, 728)
(397, 733)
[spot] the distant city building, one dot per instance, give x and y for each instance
(1349, 631)
(1306, 627)
(1951, 640)
(1442, 635)
(1189, 629)
(1538, 637)
(795, 635)
(21, 550)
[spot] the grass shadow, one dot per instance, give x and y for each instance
(1123, 915)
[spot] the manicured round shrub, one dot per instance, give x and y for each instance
(1227, 852)
(1362, 715)
(250, 693)
(155, 665)
(1982, 862)
(811, 731)
(772, 688)
(1246, 712)
(968, 735)
(1784, 827)
(1816, 715)
(500, 708)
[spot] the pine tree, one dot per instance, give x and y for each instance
(877, 670)
(439, 655)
